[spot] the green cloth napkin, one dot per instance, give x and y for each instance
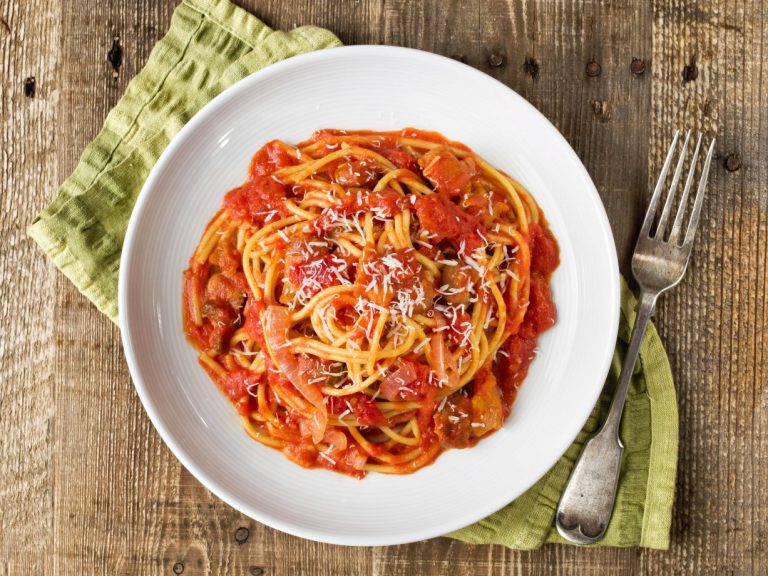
(211, 45)
(643, 512)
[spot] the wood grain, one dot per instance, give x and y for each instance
(86, 484)
(28, 174)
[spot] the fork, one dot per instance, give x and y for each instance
(658, 264)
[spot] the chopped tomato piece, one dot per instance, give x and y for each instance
(222, 289)
(541, 310)
(318, 274)
(366, 411)
(545, 253)
(259, 200)
(447, 173)
(446, 221)
(400, 158)
(270, 157)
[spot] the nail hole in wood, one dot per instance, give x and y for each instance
(732, 162)
(241, 535)
(593, 69)
(637, 66)
(496, 60)
(690, 71)
(30, 85)
(115, 55)
(531, 67)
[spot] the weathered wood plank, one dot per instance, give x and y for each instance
(29, 103)
(110, 467)
(109, 497)
(709, 74)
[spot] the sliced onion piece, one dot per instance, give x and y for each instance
(445, 363)
(276, 322)
(392, 383)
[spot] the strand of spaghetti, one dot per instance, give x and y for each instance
(359, 385)
(317, 299)
(297, 173)
(293, 150)
(209, 239)
(426, 144)
(296, 211)
(533, 208)
(349, 247)
(406, 177)
(212, 364)
(398, 230)
(270, 280)
(501, 318)
(335, 140)
(249, 245)
(413, 441)
(511, 191)
(377, 454)
(309, 346)
(368, 238)
(263, 406)
(241, 230)
(338, 189)
(373, 349)
(260, 436)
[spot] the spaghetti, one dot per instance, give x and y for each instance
(369, 299)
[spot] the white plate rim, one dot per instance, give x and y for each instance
(179, 141)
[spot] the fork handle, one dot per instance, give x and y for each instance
(586, 505)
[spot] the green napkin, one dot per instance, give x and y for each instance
(643, 511)
(212, 44)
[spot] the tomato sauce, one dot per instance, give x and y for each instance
(446, 221)
(259, 200)
(270, 157)
(456, 217)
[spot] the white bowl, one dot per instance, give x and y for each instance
(380, 88)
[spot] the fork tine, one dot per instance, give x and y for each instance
(694, 221)
(677, 225)
(672, 189)
(651, 213)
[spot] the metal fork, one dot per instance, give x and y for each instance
(658, 264)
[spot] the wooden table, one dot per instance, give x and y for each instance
(86, 484)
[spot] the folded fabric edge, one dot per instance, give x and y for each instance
(65, 261)
(232, 20)
(662, 467)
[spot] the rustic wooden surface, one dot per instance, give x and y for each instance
(86, 484)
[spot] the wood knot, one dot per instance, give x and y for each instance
(531, 67)
(602, 110)
(690, 71)
(30, 85)
(115, 55)
(637, 66)
(460, 57)
(732, 162)
(593, 69)
(178, 568)
(256, 571)
(496, 60)
(241, 535)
